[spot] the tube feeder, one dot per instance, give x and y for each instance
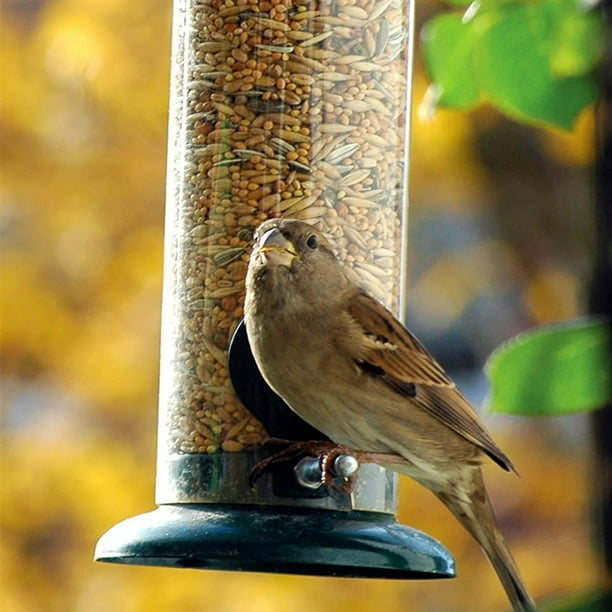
(294, 108)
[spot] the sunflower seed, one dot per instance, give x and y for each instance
(282, 145)
(341, 153)
(246, 152)
(226, 257)
(299, 166)
(355, 177)
(316, 39)
(228, 162)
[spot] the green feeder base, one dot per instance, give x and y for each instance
(272, 539)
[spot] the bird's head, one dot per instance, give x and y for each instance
(289, 243)
(292, 260)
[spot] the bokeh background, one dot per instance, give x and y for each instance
(501, 240)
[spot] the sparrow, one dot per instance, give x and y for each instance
(348, 367)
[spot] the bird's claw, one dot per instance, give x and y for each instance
(291, 450)
(340, 479)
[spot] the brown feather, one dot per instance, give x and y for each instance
(397, 358)
(404, 357)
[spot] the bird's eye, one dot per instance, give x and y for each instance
(312, 241)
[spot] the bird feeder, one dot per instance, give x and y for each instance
(292, 108)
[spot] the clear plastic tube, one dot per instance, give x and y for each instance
(293, 108)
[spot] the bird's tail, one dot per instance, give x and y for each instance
(477, 516)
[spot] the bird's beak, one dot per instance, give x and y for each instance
(275, 249)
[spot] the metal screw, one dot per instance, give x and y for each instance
(308, 473)
(308, 470)
(345, 466)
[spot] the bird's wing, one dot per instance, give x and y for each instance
(395, 356)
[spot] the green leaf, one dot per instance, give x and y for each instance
(554, 369)
(448, 48)
(533, 60)
(514, 69)
(578, 42)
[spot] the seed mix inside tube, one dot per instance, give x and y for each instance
(292, 108)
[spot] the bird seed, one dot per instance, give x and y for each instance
(293, 108)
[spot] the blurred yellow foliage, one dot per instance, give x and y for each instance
(576, 147)
(552, 295)
(446, 289)
(83, 111)
(446, 167)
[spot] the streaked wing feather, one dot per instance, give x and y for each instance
(404, 356)
(397, 358)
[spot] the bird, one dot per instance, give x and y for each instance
(347, 366)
